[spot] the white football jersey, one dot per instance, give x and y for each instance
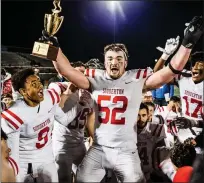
(117, 103)
(191, 97)
(192, 104)
(30, 128)
(167, 115)
(74, 132)
(147, 140)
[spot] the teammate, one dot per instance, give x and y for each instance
(29, 123)
(191, 93)
(117, 94)
(149, 136)
(68, 141)
(9, 168)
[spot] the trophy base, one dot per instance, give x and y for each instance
(45, 51)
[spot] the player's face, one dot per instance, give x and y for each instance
(7, 101)
(115, 63)
(151, 112)
(148, 99)
(142, 118)
(198, 72)
(5, 151)
(33, 90)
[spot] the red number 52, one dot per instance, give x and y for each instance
(111, 115)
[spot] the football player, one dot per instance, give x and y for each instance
(29, 123)
(149, 136)
(117, 94)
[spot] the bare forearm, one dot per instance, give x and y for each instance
(90, 124)
(62, 65)
(159, 65)
(64, 98)
(165, 75)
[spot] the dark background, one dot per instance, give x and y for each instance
(88, 27)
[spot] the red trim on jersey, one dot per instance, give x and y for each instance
(159, 109)
(87, 72)
(58, 97)
(138, 74)
(162, 108)
(14, 116)
(53, 99)
(13, 163)
(10, 121)
(93, 73)
(145, 73)
(62, 87)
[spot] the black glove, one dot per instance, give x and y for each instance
(183, 123)
(193, 32)
(46, 38)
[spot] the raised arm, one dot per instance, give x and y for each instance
(177, 63)
(62, 65)
(170, 47)
(166, 74)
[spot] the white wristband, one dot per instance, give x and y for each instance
(165, 56)
(168, 168)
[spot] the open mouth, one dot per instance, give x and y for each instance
(40, 93)
(114, 69)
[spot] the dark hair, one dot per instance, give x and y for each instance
(183, 155)
(150, 104)
(94, 63)
(3, 135)
(19, 78)
(7, 95)
(3, 72)
(175, 99)
(197, 56)
(78, 64)
(144, 106)
(117, 47)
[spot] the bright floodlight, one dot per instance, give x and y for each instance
(115, 6)
(112, 5)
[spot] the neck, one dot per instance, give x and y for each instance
(30, 103)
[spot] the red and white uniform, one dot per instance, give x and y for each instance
(14, 165)
(29, 130)
(168, 117)
(117, 104)
(147, 140)
(68, 141)
(192, 102)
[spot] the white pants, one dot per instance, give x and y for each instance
(125, 164)
(41, 171)
(69, 160)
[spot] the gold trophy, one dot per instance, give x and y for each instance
(52, 23)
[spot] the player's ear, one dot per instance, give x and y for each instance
(126, 64)
(22, 91)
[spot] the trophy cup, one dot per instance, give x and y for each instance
(52, 23)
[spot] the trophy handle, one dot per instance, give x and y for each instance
(58, 22)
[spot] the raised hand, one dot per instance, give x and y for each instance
(170, 47)
(50, 39)
(193, 32)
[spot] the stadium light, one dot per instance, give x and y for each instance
(112, 5)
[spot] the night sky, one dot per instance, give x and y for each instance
(88, 27)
